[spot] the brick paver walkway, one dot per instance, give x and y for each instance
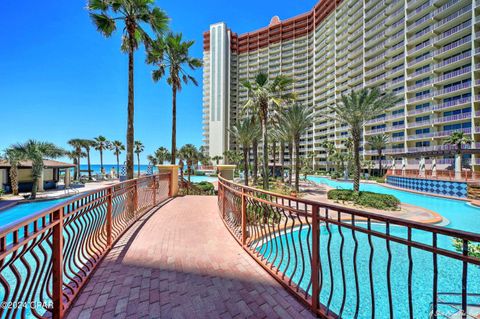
(181, 262)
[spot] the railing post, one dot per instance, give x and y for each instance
(223, 202)
(57, 266)
(315, 258)
(109, 216)
(170, 185)
(244, 218)
(154, 190)
(135, 195)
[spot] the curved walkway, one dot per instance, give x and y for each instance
(181, 262)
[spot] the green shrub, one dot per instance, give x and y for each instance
(205, 186)
(199, 173)
(366, 199)
(2, 192)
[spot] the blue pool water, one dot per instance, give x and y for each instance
(461, 214)
(335, 290)
(13, 214)
(336, 243)
(198, 179)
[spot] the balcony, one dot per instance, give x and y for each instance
(453, 118)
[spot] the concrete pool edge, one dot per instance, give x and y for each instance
(28, 201)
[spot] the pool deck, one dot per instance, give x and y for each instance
(181, 262)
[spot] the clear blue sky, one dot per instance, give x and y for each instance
(61, 79)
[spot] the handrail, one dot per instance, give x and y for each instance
(53, 252)
(282, 233)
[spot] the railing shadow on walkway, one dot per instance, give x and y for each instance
(201, 274)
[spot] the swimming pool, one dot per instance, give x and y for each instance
(338, 244)
(198, 179)
(345, 258)
(460, 214)
(13, 214)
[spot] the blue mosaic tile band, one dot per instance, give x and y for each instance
(446, 188)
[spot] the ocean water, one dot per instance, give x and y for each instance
(96, 168)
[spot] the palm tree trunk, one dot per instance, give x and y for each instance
(282, 158)
(118, 165)
(89, 166)
(297, 160)
(265, 153)
(78, 168)
(245, 164)
(255, 161)
(274, 155)
(290, 152)
(356, 158)
(101, 160)
(380, 162)
(138, 165)
(14, 178)
(131, 112)
(174, 123)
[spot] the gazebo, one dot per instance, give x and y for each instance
(49, 180)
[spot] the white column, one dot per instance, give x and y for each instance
(458, 165)
(421, 167)
(393, 166)
(434, 167)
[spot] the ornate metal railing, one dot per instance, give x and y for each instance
(347, 263)
(45, 259)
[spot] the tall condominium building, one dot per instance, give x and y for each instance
(425, 51)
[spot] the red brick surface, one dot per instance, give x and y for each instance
(181, 262)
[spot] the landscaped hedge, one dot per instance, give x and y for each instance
(205, 186)
(365, 199)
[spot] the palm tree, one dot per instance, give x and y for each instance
(231, 157)
(152, 160)
(73, 155)
(281, 135)
(134, 15)
(101, 144)
(356, 109)
(172, 53)
(245, 132)
(14, 157)
(329, 147)
(296, 119)
(162, 154)
(36, 152)
(87, 145)
(117, 147)
(263, 95)
(139, 148)
(189, 153)
(459, 139)
(217, 158)
(76, 143)
(378, 143)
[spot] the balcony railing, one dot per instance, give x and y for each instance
(454, 59)
(450, 118)
(453, 103)
(326, 254)
(45, 259)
